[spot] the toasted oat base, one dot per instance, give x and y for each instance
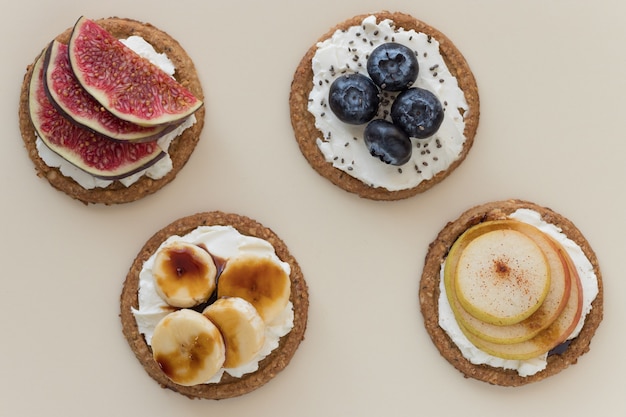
(180, 149)
(306, 133)
(429, 295)
(268, 367)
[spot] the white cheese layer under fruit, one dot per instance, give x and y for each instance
(224, 242)
(155, 171)
(588, 280)
(342, 144)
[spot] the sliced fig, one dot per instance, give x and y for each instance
(93, 153)
(127, 85)
(75, 103)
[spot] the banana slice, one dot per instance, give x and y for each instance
(241, 326)
(259, 280)
(184, 274)
(188, 347)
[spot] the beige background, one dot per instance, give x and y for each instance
(552, 80)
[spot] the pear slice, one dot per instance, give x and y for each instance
(558, 332)
(502, 277)
(552, 306)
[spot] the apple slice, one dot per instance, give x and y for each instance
(502, 277)
(558, 332)
(552, 306)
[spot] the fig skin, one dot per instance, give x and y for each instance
(127, 85)
(88, 151)
(78, 106)
(180, 149)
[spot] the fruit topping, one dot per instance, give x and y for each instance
(502, 277)
(188, 347)
(258, 280)
(93, 153)
(73, 101)
(552, 306)
(241, 327)
(387, 142)
(546, 340)
(418, 112)
(480, 265)
(393, 66)
(126, 84)
(184, 274)
(354, 98)
(415, 112)
(228, 329)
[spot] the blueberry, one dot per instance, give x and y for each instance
(392, 66)
(387, 142)
(354, 98)
(418, 112)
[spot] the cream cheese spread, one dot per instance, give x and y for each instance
(155, 171)
(342, 144)
(224, 242)
(529, 367)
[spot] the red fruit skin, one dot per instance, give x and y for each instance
(126, 84)
(93, 153)
(75, 103)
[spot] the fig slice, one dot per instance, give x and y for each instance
(93, 153)
(73, 101)
(126, 84)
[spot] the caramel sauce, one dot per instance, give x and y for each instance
(229, 322)
(190, 271)
(231, 343)
(219, 262)
(183, 365)
(253, 279)
(257, 280)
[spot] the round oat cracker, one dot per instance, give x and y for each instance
(229, 386)
(180, 149)
(306, 133)
(429, 294)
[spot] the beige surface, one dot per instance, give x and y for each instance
(551, 78)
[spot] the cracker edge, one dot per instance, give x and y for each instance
(270, 366)
(306, 133)
(429, 295)
(180, 150)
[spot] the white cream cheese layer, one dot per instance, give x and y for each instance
(342, 144)
(529, 367)
(155, 171)
(224, 242)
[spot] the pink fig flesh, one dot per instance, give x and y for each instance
(93, 153)
(73, 101)
(126, 84)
